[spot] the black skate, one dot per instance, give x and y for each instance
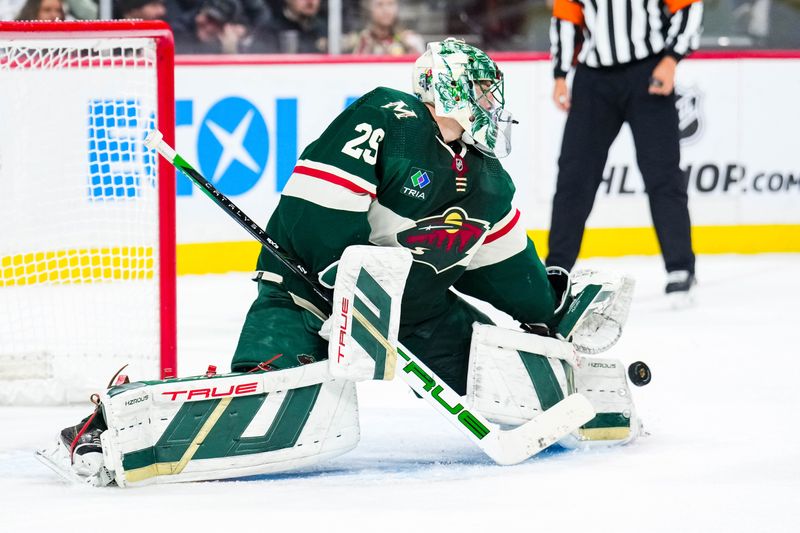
(679, 288)
(77, 455)
(84, 438)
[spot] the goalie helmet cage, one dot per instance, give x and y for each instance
(87, 245)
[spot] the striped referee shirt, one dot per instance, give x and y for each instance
(606, 33)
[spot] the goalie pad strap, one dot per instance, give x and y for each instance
(277, 279)
(488, 335)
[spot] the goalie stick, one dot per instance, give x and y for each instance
(505, 447)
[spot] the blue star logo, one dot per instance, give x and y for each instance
(233, 145)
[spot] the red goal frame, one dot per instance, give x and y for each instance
(161, 34)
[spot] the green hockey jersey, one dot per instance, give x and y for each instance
(381, 174)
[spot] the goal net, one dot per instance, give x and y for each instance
(87, 236)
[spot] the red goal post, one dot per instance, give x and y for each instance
(88, 212)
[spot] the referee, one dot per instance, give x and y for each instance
(626, 52)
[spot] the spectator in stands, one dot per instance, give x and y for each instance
(217, 27)
(42, 10)
(296, 28)
(536, 25)
(257, 12)
(770, 23)
(494, 24)
(181, 13)
(382, 34)
(83, 9)
(140, 9)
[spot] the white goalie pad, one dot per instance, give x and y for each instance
(227, 426)
(498, 383)
(513, 377)
(598, 311)
(604, 383)
(364, 325)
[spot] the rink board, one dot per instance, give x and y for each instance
(738, 149)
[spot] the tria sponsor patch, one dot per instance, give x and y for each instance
(416, 182)
(443, 241)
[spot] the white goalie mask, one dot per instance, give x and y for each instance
(463, 83)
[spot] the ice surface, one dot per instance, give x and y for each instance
(722, 452)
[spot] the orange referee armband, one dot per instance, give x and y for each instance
(676, 5)
(571, 11)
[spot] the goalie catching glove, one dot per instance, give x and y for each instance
(593, 308)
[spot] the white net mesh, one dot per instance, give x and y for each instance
(78, 216)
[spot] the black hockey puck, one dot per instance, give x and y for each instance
(639, 373)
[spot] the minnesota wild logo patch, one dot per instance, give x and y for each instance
(416, 183)
(443, 241)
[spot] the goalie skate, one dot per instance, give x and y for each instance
(57, 459)
(77, 455)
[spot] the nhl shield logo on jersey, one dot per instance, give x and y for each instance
(416, 182)
(443, 241)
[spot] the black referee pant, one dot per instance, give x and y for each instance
(602, 100)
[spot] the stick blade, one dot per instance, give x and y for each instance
(521, 443)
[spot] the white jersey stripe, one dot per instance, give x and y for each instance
(621, 30)
(685, 40)
(674, 26)
(502, 226)
(563, 33)
(500, 249)
(352, 178)
(654, 14)
(385, 224)
(589, 51)
(638, 29)
(326, 194)
(602, 45)
(568, 42)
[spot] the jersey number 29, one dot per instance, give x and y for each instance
(353, 147)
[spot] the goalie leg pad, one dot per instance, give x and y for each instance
(604, 382)
(514, 377)
(363, 328)
(230, 426)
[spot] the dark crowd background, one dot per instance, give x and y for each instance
(392, 27)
